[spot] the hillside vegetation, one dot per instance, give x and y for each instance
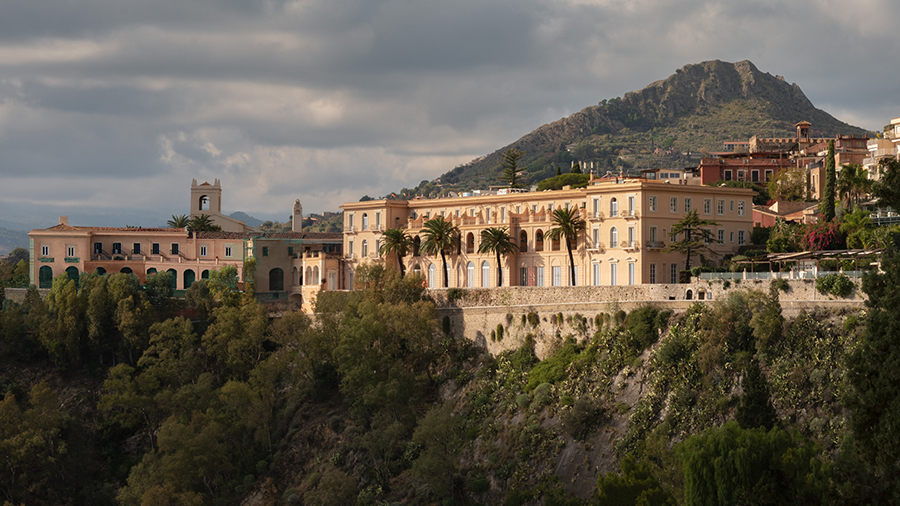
(110, 397)
(685, 115)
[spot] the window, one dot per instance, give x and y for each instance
(674, 273)
(518, 210)
(740, 237)
(596, 208)
(431, 275)
(203, 251)
(613, 274)
(265, 251)
(652, 203)
(350, 248)
(365, 248)
(487, 215)
(227, 251)
(720, 207)
(377, 246)
(470, 275)
(688, 203)
(727, 175)
(673, 204)
(596, 274)
(631, 208)
(350, 224)
(502, 214)
(631, 273)
(70, 251)
(730, 236)
(550, 207)
(117, 248)
(652, 274)
(707, 206)
(523, 276)
(45, 250)
(740, 208)
(568, 205)
(135, 248)
(154, 248)
(290, 251)
(485, 274)
(707, 236)
(539, 276)
(754, 176)
(377, 221)
(174, 249)
(652, 234)
(596, 238)
(557, 275)
(721, 236)
(365, 222)
(730, 206)
(98, 248)
(613, 207)
(613, 238)
(630, 237)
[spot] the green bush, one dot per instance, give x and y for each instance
(553, 369)
(455, 293)
(534, 319)
(835, 284)
(499, 331)
(585, 414)
(542, 394)
(781, 284)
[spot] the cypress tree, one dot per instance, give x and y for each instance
(756, 409)
(826, 205)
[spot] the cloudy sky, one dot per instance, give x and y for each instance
(108, 108)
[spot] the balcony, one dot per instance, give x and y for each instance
(655, 245)
(595, 246)
(598, 216)
(629, 214)
(629, 245)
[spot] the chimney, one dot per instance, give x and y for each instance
(63, 220)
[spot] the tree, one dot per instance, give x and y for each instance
(497, 240)
(566, 223)
(874, 396)
(756, 408)
(826, 205)
(694, 237)
(576, 169)
(853, 182)
(179, 221)
(440, 235)
(788, 184)
(510, 166)
(887, 189)
(396, 241)
(202, 223)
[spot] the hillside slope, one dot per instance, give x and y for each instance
(668, 123)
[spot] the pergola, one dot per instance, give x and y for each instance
(841, 254)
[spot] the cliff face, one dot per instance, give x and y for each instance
(697, 108)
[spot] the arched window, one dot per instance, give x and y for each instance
(365, 244)
(295, 278)
(523, 242)
(485, 274)
(72, 272)
(315, 276)
(204, 203)
(470, 243)
(460, 277)
(173, 278)
(596, 268)
(204, 274)
(613, 238)
(470, 275)
(309, 276)
(365, 225)
(613, 207)
(539, 241)
(189, 278)
(431, 271)
(417, 242)
(126, 270)
(151, 271)
(276, 280)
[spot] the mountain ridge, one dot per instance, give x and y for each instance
(691, 111)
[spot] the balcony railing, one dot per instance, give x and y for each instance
(655, 244)
(628, 245)
(629, 214)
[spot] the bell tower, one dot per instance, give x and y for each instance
(297, 217)
(206, 198)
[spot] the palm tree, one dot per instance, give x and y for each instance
(202, 223)
(395, 241)
(566, 223)
(179, 221)
(497, 240)
(440, 235)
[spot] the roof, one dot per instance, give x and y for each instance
(71, 228)
(337, 236)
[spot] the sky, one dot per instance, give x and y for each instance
(109, 108)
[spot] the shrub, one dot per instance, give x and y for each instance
(455, 293)
(534, 319)
(499, 331)
(781, 284)
(542, 394)
(585, 414)
(553, 369)
(835, 284)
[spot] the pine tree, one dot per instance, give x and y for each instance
(510, 166)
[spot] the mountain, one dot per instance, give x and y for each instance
(12, 239)
(248, 220)
(671, 122)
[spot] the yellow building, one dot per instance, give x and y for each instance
(628, 226)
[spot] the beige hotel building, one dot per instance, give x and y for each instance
(628, 225)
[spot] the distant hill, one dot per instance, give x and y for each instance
(12, 239)
(669, 123)
(248, 220)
